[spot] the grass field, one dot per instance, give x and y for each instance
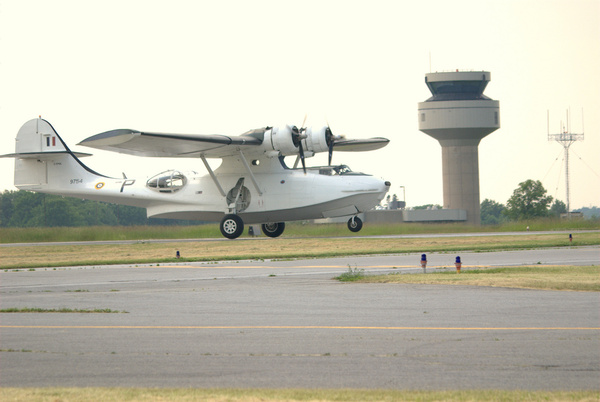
(574, 278)
(272, 395)
(267, 248)
(299, 241)
(293, 230)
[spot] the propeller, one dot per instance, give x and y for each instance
(297, 137)
(330, 140)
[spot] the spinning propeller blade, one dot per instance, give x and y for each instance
(331, 139)
(297, 138)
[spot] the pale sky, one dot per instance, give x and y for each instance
(226, 67)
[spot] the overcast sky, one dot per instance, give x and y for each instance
(229, 66)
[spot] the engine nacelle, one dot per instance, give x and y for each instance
(316, 140)
(286, 140)
(281, 139)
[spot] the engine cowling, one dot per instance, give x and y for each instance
(290, 140)
(316, 140)
(282, 140)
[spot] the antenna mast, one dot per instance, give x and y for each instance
(566, 138)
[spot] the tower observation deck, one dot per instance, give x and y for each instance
(459, 115)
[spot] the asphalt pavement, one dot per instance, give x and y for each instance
(276, 324)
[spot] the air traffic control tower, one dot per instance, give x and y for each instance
(459, 115)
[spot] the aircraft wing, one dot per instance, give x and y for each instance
(140, 143)
(359, 145)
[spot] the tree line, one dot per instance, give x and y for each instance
(528, 201)
(27, 209)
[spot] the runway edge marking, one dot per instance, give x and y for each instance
(208, 327)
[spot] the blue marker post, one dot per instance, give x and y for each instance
(570, 239)
(457, 264)
(424, 262)
(177, 255)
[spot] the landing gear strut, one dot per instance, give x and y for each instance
(355, 224)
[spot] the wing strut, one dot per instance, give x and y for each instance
(212, 174)
(245, 162)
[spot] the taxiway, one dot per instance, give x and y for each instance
(278, 324)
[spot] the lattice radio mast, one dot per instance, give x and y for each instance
(566, 138)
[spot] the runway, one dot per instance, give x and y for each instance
(277, 324)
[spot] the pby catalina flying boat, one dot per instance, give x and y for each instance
(253, 184)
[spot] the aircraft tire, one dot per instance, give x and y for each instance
(232, 226)
(355, 224)
(273, 229)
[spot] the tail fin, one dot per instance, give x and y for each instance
(43, 160)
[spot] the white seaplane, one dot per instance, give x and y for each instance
(252, 185)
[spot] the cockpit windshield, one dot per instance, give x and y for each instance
(336, 170)
(339, 170)
(167, 182)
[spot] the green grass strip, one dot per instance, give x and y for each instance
(290, 395)
(60, 310)
(293, 229)
(563, 277)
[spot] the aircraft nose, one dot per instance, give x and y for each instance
(387, 183)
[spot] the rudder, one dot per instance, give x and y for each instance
(37, 137)
(40, 153)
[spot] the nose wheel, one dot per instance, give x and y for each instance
(355, 224)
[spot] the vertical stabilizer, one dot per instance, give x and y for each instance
(43, 162)
(38, 136)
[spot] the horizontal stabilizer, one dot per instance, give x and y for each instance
(43, 155)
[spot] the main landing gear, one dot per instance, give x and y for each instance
(355, 224)
(232, 227)
(273, 229)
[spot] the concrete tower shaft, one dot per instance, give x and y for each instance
(459, 115)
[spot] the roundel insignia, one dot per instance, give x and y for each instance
(99, 185)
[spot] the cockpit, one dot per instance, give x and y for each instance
(338, 170)
(167, 182)
(335, 170)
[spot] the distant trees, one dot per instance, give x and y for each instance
(27, 209)
(492, 212)
(558, 207)
(529, 200)
(590, 212)
(428, 206)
